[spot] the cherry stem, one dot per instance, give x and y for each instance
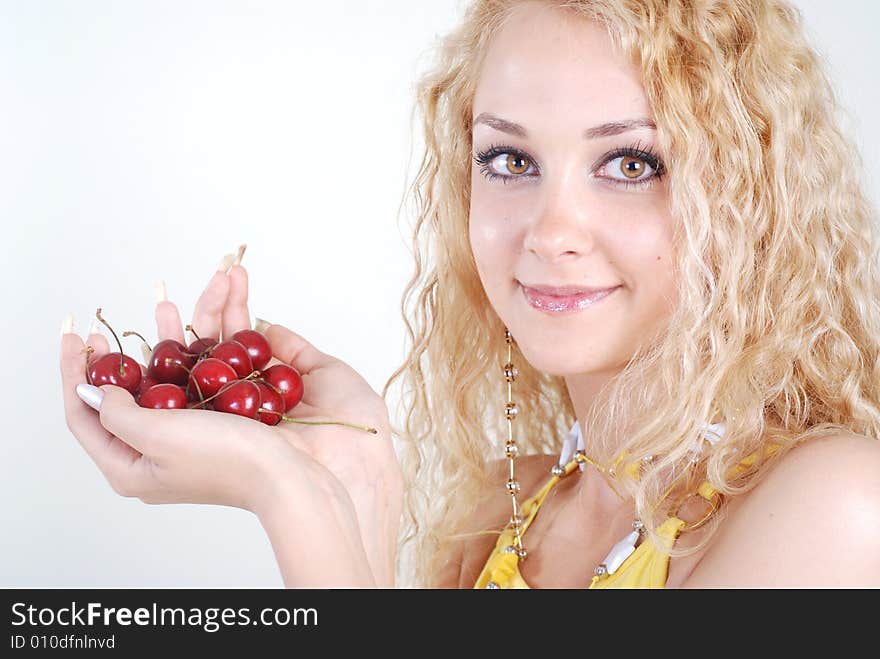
(118, 342)
(88, 350)
(189, 328)
(210, 398)
(372, 431)
(133, 333)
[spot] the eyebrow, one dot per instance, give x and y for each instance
(607, 129)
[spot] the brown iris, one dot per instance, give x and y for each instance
(513, 164)
(631, 167)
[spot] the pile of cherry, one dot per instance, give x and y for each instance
(224, 376)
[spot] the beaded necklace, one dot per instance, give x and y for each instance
(573, 453)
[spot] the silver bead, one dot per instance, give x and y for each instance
(516, 520)
(557, 470)
(512, 486)
(510, 372)
(638, 525)
(511, 451)
(492, 586)
(522, 553)
(510, 549)
(601, 570)
(648, 459)
(508, 337)
(510, 411)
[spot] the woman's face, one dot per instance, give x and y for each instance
(555, 202)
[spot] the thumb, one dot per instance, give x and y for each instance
(133, 424)
(293, 349)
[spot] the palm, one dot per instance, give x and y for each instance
(332, 390)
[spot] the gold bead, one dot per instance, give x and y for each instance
(512, 486)
(510, 372)
(508, 337)
(510, 411)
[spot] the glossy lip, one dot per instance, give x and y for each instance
(564, 303)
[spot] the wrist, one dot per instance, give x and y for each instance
(313, 532)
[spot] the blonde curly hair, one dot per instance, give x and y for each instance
(776, 329)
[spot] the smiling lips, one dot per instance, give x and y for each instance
(564, 299)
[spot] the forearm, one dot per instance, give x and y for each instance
(317, 544)
(379, 525)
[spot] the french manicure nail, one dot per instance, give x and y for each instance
(95, 327)
(226, 263)
(160, 291)
(261, 325)
(90, 395)
(67, 324)
(239, 255)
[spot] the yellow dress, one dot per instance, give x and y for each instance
(646, 567)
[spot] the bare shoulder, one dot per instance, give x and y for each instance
(468, 556)
(812, 521)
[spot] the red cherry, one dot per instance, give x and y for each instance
(257, 346)
(170, 362)
(272, 405)
(234, 354)
(197, 347)
(164, 396)
(208, 377)
(105, 370)
(287, 381)
(241, 397)
(114, 368)
(146, 383)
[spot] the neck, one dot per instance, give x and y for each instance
(583, 389)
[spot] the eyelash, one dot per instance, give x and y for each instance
(635, 150)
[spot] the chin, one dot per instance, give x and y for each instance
(559, 361)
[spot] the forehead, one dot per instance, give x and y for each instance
(555, 65)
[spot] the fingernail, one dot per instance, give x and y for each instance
(67, 325)
(239, 255)
(261, 325)
(226, 263)
(90, 395)
(95, 327)
(146, 352)
(160, 291)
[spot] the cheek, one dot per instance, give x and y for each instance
(489, 244)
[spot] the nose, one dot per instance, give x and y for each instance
(560, 228)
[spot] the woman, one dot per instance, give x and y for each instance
(645, 228)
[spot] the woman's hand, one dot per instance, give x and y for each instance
(329, 496)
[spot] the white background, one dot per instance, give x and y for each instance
(143, 141)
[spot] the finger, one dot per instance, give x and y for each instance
(208, 314)
(107, 452)
(96, 339)
(293, 349)
(168, 323)
(122, 417)
(158, 433)
(235, 314)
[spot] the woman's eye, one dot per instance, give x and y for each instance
(628, 169)
(507, 165)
